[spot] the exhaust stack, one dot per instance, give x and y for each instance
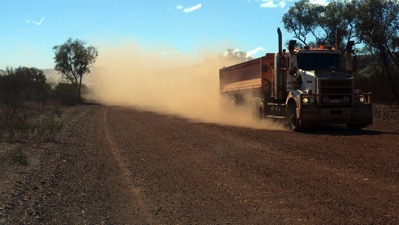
(280, 42)
(279, 63)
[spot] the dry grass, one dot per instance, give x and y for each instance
(33, 122)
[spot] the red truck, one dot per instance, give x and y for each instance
(303, 86)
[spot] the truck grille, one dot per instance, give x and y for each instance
(335, 92)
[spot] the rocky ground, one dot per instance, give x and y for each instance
(114, 165)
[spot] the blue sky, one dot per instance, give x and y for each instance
(30, 28)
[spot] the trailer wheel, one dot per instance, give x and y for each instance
(293, 121)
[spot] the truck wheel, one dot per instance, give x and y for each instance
(293, 122)
(261, 111)
(257, 110)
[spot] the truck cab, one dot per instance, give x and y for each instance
(324, 92)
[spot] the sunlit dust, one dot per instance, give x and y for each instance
(178, 84)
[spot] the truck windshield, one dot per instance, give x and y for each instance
(316, 61)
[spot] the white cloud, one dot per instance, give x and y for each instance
(237, 50)
(192, 8)
(282, 4)
(38, 23)
(255, 51)
(189, 9)
(273, 3)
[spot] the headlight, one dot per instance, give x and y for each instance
(308, 100)
(362, 99)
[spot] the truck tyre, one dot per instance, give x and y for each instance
(261, 111)
(293, 121)
(258, 110)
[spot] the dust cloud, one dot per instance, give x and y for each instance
(178, 84)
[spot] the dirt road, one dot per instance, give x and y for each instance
(113, 165)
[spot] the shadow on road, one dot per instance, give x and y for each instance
(342, 130)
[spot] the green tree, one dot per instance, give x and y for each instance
(378, 28)
(327, 24)
(73, 60)
(301, 20)
(337, 20)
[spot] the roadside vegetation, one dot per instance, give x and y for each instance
(30, 107)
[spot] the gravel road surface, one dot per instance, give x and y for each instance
(115, 165)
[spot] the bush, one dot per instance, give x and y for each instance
(37, 122)
(25, 112)
(21, 85)
(65, 94)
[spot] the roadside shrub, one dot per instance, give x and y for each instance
(46, 126)
(65, 94)
(13, 92)
(19, 86)
(38, 123)
(26, 109)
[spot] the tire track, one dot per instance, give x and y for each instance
(136, 191)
